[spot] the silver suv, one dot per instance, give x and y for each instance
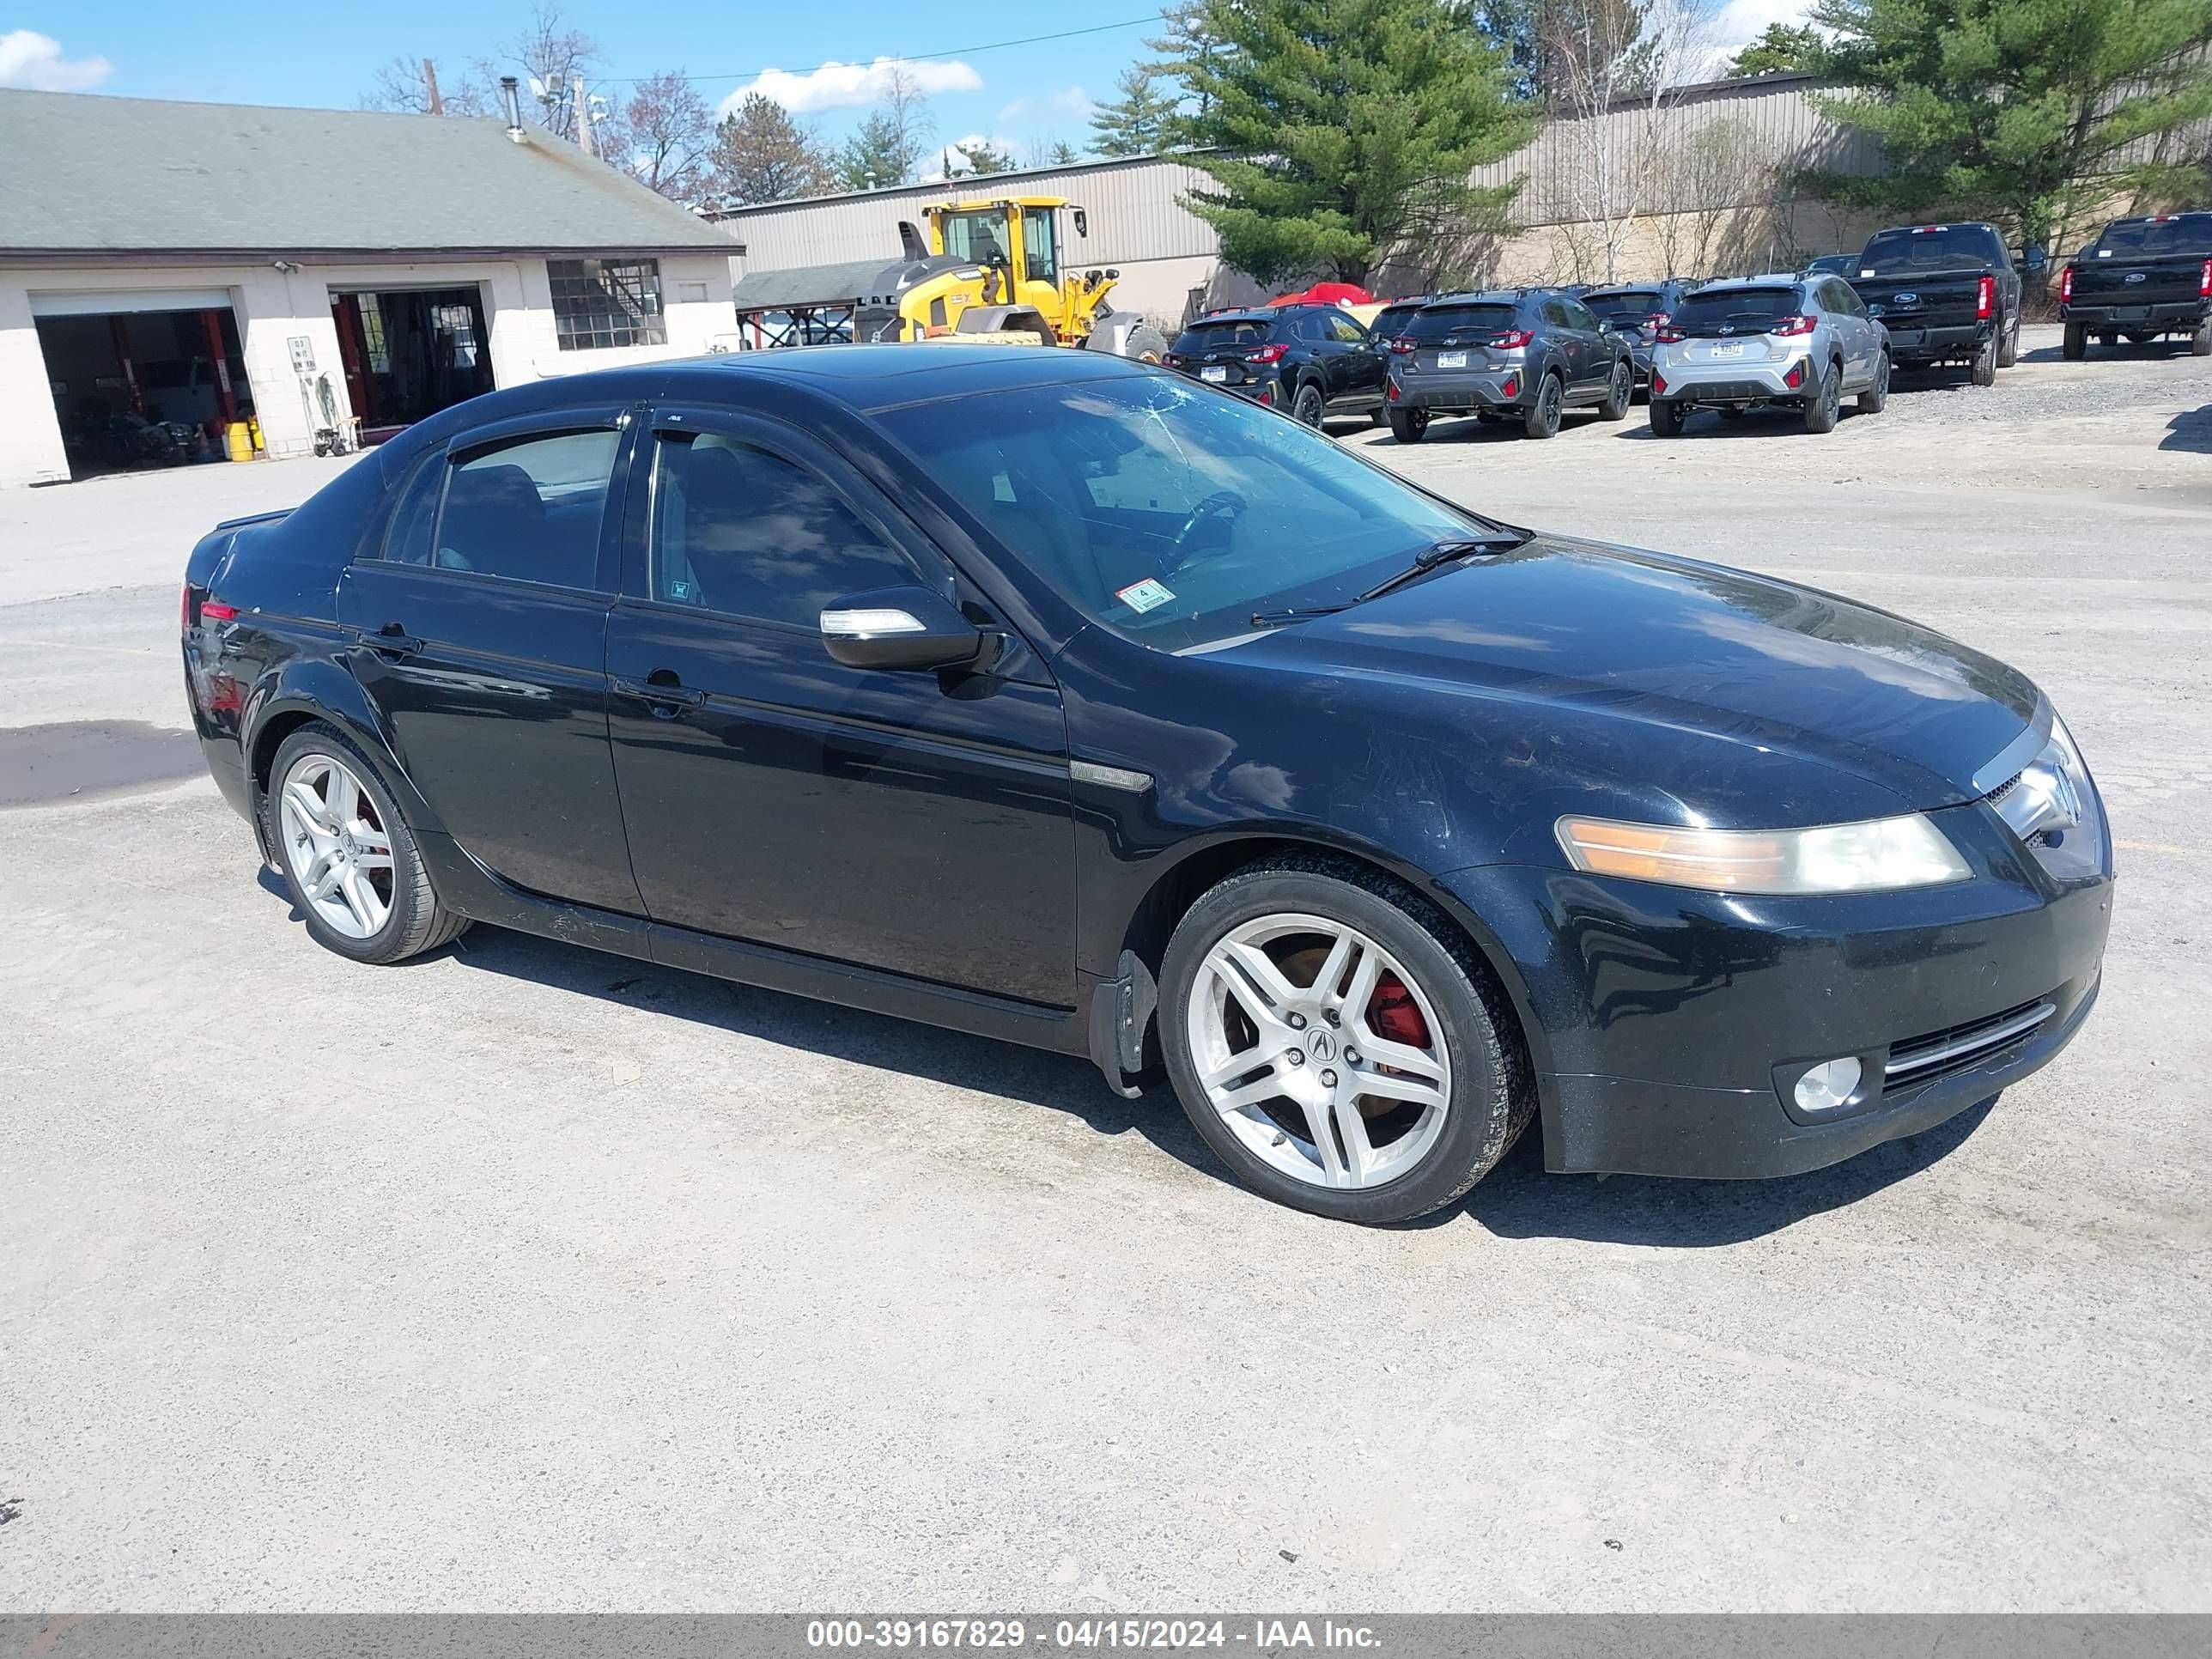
(1799, 342)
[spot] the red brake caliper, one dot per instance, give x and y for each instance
(1396, 1015)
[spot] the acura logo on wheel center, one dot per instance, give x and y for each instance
(1322, 1046)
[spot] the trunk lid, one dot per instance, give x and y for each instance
(1942, 298)
(2119, 280)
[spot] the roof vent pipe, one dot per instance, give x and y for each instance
(511, 98)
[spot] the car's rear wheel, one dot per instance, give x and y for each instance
(1542, 420)
(2008, 346)
(1875, 397)
(1338, 1044)
(2074, 344)
(2200, 343)
(1666, 418)
(1823, 406)
(1308, 408)
(1620, 393)
(348, 857)
(1409, 426)
(1986, 363)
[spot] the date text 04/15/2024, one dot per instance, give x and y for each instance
(1258, 1634)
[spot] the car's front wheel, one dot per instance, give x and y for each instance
(1338, 1044)
(348, 855)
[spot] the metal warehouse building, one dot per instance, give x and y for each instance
(197, 263)
(1718, 185)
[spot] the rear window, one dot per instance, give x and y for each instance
(2152, 238)
(1630, 303)
(1226, 334)
(1742, 305)
(1391, 322)
(1440, 322)
(1931, 247)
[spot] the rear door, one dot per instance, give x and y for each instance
(919, 822)
(479, 634)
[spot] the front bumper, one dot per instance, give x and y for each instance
(2188, 315)
(1751, 381)
(1911, 344)
(1666, 1024)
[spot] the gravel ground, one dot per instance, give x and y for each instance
(525, 1278)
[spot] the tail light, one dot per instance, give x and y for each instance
(1402, 345)
(194, 607)
(2066, 281)
(1669, 334)
(1512, 340)
(2204, 280)
(1170, 360)
(1985, 302)
(1396, 390)
(1793, 325)
(1657, 320)
(1512, 387)
(1269, 354)
(187, 610)
(1796, 376)
(1658, 384)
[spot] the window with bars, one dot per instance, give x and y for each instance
(601, 303)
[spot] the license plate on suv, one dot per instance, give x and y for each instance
(1451, 360)
(1216, 376)
(1734, 349)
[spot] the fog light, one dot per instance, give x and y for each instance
(1796, 376)
(1828, 1086)
(1512, 387)
(1658, 382)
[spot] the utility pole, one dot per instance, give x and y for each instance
(430, 85)
(584, 119)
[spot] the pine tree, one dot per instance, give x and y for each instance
(1342, 133)
(972, 157)
(889, 144)
(1783, 47)
(761, 155)
(1136, 123)
(2022, 111)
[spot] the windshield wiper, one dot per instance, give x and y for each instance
(1432, 557)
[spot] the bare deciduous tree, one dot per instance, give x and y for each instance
(1717, 211)
(403, 86)
(1615, 69)
(670, 135)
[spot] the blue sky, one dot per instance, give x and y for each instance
(256, 51)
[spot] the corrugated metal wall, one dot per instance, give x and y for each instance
(1131, 205)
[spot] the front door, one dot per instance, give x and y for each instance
(918, 822)
(479, 633)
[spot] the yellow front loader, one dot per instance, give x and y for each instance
(995, 269)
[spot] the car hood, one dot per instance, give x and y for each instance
(1693, 650)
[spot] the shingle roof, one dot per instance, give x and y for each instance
(92, 174)
(808, 285)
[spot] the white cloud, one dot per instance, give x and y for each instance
(1742, 21)
(30, 59)
(1068, 104)
(934, 170)
(849, 86)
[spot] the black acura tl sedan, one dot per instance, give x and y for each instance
(1049, 696)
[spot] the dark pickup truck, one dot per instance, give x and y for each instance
(2141, 278)
(1947, 294)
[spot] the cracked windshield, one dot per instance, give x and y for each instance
(1171, 514)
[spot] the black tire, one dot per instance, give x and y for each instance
(1542, 419)
(1309, 407)
(1666, 417)
(1986, 363)
(1822, 407)
(1620, 392)
(1875, 397)
(415, 922)
(1492, 1096)
(1378, 417)
(1146, 344)
(2074, 344)
(2008, 345)
(2200, 343)
(1409, 426)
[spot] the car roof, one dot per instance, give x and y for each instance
(1254, 314)
(1630, 288)
(1733, 284)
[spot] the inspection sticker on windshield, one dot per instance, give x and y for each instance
(1140, 596)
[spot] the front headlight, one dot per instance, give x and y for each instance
(1878, 856)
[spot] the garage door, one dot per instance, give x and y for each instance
(100, 301)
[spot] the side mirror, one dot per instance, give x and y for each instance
(900, 628)
(1604, 325)
(1082, 220)
(2037, 257)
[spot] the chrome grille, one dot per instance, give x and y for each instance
(1939, 1053)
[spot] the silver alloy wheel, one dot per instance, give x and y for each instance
(1297, 1072)
(339, 851)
